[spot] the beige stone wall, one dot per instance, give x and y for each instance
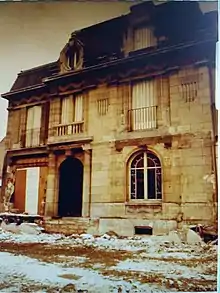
(2, 153)
(184, 165)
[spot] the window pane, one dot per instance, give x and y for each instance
(158, 180)
(150, 162)
(138, 161)
(140, 183)
(152, 159)
(133, 185)
(151, 184)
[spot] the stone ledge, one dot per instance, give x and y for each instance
(144, 203)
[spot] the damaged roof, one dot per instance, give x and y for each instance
(176, 20)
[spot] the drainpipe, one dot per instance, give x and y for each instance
(214, 130)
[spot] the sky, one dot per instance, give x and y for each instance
(33, 34)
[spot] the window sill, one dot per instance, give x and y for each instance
(144, 203)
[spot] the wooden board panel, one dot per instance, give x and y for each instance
(32, 190)
(20, 190)
(42, 187)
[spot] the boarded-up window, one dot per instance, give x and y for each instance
(143, 113)
(144, 38)
(27, 189)
(33, 126)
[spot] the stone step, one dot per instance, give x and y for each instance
(69, 226)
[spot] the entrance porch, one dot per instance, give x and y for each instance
(69, 181)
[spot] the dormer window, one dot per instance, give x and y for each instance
(144, 38)
(73, 59)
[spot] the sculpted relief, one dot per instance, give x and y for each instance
(71, 57)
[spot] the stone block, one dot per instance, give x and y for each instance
(193, 238)
(100, 194)
(171, 209)
(174, 237)
(197, 211)
(126, 227)
(184, 128)
(103, 209)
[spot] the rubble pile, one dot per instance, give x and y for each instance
(21, 223)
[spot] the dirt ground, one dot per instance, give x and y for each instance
(164, 267)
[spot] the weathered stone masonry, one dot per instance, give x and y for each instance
(90, 115)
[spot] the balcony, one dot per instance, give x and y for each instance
(66, 132)
(142, 118)
(68, 129)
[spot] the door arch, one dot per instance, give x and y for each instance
(70, 188)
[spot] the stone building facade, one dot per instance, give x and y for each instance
(120, 133)
(2, 155)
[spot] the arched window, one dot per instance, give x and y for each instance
(145, 176)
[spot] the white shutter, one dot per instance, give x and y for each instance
(78, 108)
(144, 102)
(144, 38)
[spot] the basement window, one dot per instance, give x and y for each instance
(143, 230)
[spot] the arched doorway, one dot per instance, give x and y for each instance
(70, 188)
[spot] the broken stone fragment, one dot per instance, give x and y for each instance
(174, 237)
(69, 288)
(193, 238)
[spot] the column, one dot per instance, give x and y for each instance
(50, 194)
(86, 181)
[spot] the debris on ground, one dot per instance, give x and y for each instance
(193, 238)
(174, 237)
(86, 263)
(206, 232)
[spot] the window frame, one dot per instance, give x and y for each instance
(151, 109)
(145, 168)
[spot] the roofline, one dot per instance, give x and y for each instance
(99, 23)
(4, 96)
(122, 60)
(37, 67)
(107, 64)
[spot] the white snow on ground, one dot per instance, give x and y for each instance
(29, 238)
(33, 270)
(173, 270)
(151, 255)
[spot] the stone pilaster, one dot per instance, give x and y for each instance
(50, 194)
(87, 181)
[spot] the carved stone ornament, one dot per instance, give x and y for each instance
(71, 57)
(9, 188)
